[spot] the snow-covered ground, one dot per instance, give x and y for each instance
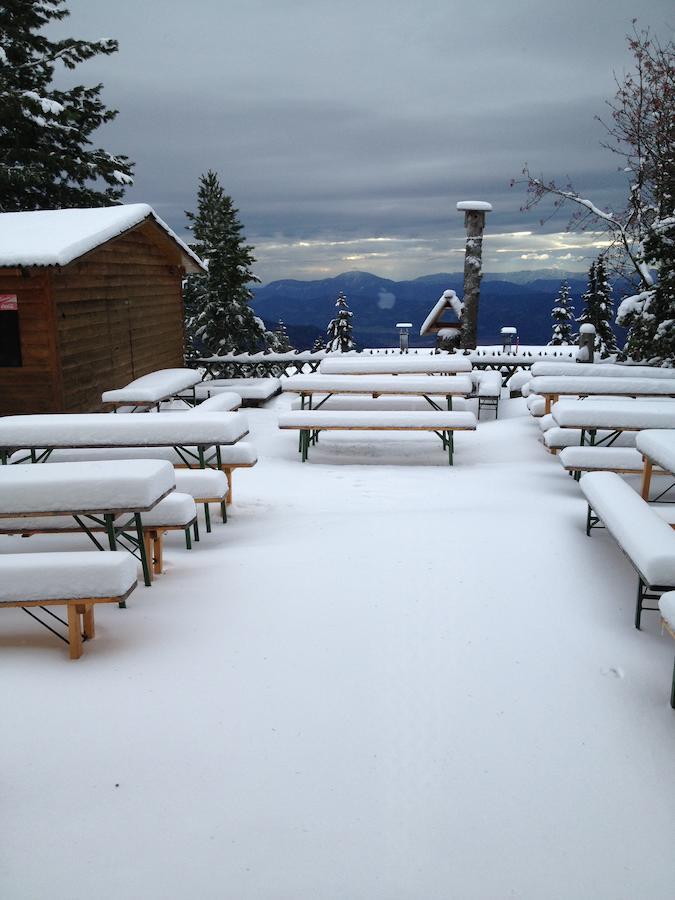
(384, 679)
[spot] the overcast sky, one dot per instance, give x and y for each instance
(347, 131)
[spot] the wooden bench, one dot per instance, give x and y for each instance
(623, 460)
(77, 581)
(643, 537)
(667, 610)
(440, 422)
(176, 512)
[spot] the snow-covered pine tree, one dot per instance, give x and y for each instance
(339, 330)
(598, 309)
(659, 310)
(224, 320)
(46, 156)
(563, 318)
(282, 343)
(318, 345)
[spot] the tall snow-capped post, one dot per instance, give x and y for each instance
(474, 222)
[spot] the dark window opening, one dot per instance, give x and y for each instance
(10, 335)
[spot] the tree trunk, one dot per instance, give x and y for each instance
(474, 222)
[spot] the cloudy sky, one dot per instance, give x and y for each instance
(346, 132)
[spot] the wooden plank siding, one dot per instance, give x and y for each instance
(119, 314)
(34, 386)
(112, 315)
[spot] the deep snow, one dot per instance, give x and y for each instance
(385, 679)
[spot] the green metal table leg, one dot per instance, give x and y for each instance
(141, 550)
(207, 517)
(450, 442)
(188, 538)
(110, 531)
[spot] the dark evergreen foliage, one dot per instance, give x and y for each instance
(339, 330)
(47, 160)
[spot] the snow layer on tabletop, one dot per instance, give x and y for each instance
(536, 405)
(647, 539)
(667, 607)
(599, 385)
(403, 363)
(55, 237)
(546, 422)
(247, 388)
(659, 446)
(376, 419)
(154, 386)
(393, 384)
(64, 576)
(614, 414)
(226, 401)
(104, 430)
(599, 370)
(95, 486)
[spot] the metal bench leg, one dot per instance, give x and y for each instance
(223, 509)
(672, 690)
(195, 528)
(147, 577)
(207, 517)
(451, 447)
(188, 538)
(638, 605)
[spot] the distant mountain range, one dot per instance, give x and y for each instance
(520, 299)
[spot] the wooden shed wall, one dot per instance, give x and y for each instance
(119, 315)
(34, 387)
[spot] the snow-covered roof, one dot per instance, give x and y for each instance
(475, 205)
(447, 300)
(56, 237)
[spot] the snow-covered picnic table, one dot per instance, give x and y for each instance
(553, 386)
(395, 364)
(598, 370)
(427, 386)
(40, 434)
(253, 391)
(657, 449)
(152, 389)
(92, 493)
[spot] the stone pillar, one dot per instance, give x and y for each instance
(474, 222)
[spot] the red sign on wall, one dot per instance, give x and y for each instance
(8, 303)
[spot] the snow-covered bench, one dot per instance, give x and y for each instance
(253, 391)
(150, 390)
(623, 460)
(488, 389)
(442, 423)
(176, 512)
(224, 401)
(551, 387)
(667, 610)
(77, 581)
(642, 535)
(557, 438)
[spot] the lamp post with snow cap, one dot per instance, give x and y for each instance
(509, 338)
(403, 329)
(474, 222)
(586, 351)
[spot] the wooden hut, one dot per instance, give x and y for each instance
(89, 300)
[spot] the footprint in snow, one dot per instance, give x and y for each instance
(612, 671)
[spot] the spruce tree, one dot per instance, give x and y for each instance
(339, 330)
(46, 155)
(224, 321)
(282, 343)
(563, 318)
(598, 308)
(318, 345)
(661, 305)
